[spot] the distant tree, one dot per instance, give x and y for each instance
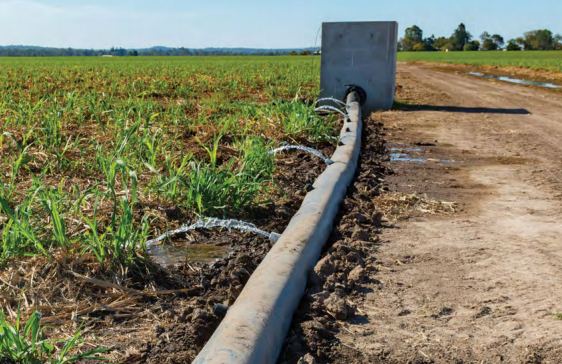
(183, 52)
(133, 53)
(472, 46)
(485, 36)
(558, 41)
(542, 40)
(413, 36)
(440, 42)
(430, 40)
(305, 53)
(293, 53)
(512, 45)
(498, 39)
(423, 47)
(461, 36)
(450, 46)
(489, 45)
(545, 39)
(522, 43)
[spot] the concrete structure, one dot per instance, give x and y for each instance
(361, 53)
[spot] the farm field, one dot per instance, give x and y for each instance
(458, 186)
(538, 60)
(99, 155)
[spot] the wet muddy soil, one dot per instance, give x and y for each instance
(175, 328)
(191, 321)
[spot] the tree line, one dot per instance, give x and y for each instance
(462, 40)
(24, 51)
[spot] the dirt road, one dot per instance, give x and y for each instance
(481, 285)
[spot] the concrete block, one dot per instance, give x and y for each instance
(361, 53)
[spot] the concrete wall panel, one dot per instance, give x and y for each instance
(361, 53)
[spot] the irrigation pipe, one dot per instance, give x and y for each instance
(255, 327)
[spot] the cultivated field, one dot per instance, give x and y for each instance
(446, 247)
(98, 155)
(539, 60)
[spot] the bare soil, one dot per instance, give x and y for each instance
(481, 285)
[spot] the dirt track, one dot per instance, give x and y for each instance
(478, 286)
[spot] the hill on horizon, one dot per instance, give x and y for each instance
(234, 50)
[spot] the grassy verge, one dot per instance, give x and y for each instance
(538, 60)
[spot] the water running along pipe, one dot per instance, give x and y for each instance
(255, 327)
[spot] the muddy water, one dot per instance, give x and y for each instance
(406, 150)
(515, 80)
(405, 157)
(402, 157)
(194, 253)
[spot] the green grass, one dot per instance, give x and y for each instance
(26, 344)
(92, 148)
(541, 60)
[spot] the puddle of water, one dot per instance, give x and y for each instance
(515, 80)
(403, 157)
(194, 253)
(406, 149)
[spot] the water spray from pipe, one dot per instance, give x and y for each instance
(331, 108)
(328, 161)
(333, 99)
(214, 222)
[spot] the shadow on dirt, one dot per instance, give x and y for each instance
(470, 110)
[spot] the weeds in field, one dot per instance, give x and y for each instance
(94, 153)
(27, 344)
(92, 150)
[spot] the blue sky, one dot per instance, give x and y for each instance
(251, 23)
